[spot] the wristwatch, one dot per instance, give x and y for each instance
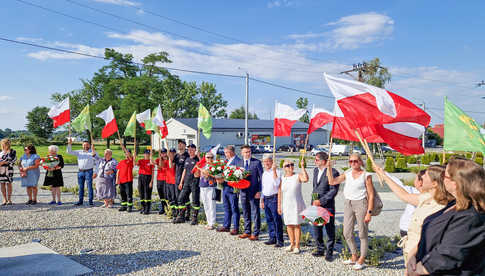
(369, 212)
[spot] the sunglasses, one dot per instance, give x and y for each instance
(353, 161)
(209, 157)
(289, 165)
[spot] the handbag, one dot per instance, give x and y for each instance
(377, 203)
(216, 194)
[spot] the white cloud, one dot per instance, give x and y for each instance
(351, 32)
(280, 3)
(119, 2)
(5, 98)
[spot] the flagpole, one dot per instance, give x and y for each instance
(331, 141)
(134, 140)
(368, 152)
(274, 147)
(306, 143)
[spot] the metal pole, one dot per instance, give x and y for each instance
(246, 111)
(424, 132)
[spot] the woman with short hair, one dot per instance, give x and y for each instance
(105, 179)
(55, 180)
(30, 172)
(453, 239)
(8, 156)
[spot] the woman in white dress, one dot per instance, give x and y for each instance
(291, 204)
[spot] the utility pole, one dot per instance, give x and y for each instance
(246, 111)
(424, 132)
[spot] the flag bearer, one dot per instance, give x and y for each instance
(124, 178)
(145, 181)
(189, 183)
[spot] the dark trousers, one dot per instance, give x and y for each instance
(85, 176)
(250, 206)
(318, 234)
(126, 192)
(275, 223)
(162, 190)
(144, 187)
(170, 193)
(231, 208)
(190, 188)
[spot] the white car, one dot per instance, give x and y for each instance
(317, 149)
(268, 148)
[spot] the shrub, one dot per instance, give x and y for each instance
(368, 165)
(304, 162)
(479, 160)
(468, 155)
(390, 165)
(281, 163)
(425, 159)
(401, 164)
(412, 159)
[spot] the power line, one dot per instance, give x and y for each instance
(293, 89)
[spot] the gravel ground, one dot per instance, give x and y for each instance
(110, 242)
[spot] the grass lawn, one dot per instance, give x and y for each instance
(71, 159)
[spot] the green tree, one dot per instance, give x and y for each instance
(39, 123)
(431, 135)
(303, 104)
(239, 113)
(375, 74)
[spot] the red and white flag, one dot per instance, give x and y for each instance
(110, 122)
(143, 117)
(60, 113)
(201, 164)
(160, 122)
(378, 115)
(285, 117)
(318, 118)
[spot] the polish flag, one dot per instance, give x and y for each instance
(201, 164)
(319, 117)
(377, 113)
(160, 122)
(142, 117)
(285, 117)
(60, 113)
(109, 118)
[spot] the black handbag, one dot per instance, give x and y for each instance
(217, 195)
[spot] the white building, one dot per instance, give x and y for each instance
(231, 132)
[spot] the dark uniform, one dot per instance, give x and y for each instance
(190, 186)
(179, 161)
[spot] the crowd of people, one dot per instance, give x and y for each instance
(442, 228)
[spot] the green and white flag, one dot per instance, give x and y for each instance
(130, 127)
(462, 133)
(204, 121)
(82, 121)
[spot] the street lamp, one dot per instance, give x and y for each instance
(246, 107)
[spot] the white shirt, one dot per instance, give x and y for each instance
(85, 159)
(320, 173)
(270, 184)
(409, 210)
(354, 189)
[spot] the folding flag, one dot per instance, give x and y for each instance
(130, 127)
(204, 121)
(160, 122)
(318, 118)
(82, 121)
(145, 120)
(285, 117)
(60, 113)
(110, 122)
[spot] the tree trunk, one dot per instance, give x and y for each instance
(107, 143)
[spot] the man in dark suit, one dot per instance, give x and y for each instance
(323, 195)
(230, 199)
(250, 197)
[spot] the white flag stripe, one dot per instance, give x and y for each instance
(215, 149)
(144, 116)
(343, 88)
(57, 109)
(283, 111)
(405, 128)
(107, 115)
(158, 119)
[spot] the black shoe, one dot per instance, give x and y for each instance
(122, 209)
(279, 244)
(33, 202)
(270, 242)
(129, 209)
(318, 253)
(78, 203)
(161, 212)
(329, 257)
(29, 202)
(91, 203)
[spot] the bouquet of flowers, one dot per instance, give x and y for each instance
(235, 178)
(316, 215)
(216, 169)
(49, 162)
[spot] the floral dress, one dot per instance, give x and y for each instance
(6, 170)
(105, 183)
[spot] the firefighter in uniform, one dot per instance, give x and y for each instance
(179, 161)
(170, 187)
(124, 178)
(145, 181)
(189, 184)
(163, 165)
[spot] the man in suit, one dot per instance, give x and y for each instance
(323, 195)
(250, 196)
(230, 199)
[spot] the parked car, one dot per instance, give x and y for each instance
(220, 151)
(317, 149)
(287, 147)
(340, 150)
(359, 150)
(386, 149)
(268, 148)
(256, 149)
(309, 147)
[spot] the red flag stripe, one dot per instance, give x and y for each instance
(282, 127)
(319, 120)
(109, 129)
(62, 118)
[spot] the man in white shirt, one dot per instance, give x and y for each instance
(271, 181)
(86, 160)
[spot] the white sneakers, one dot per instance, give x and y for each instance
(296, 250)
(356, 266)
(289, 248)
(348, 262)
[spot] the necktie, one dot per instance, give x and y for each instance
(246, 166)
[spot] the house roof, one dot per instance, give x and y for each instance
(238, 124)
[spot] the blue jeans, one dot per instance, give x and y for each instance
(250, 206)
(275, 223)
(231, 208)
(87, 176)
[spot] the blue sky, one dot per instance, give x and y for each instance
(433, 48)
